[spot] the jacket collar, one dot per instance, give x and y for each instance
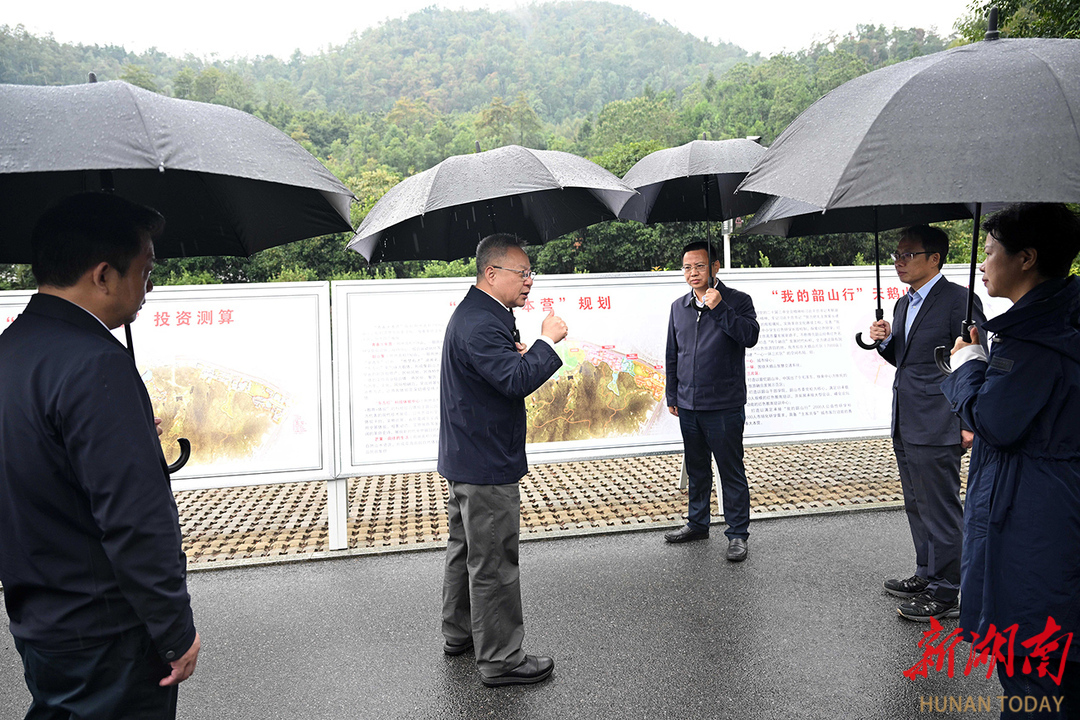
(493, 306)
(60, 309)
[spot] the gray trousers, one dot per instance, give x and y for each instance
(930, 478)
(481, 584)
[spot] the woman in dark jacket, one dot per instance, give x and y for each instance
(1021, 563)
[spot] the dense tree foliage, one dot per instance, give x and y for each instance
(591, 78)
(1023, 18)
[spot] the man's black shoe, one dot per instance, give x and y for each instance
(923, 607)
(906, 588)
(461, 649)
(532, 670)
(685, 534)
(736, 549)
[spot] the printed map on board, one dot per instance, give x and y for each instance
(598, 392)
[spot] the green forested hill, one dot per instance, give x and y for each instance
(568, 58)
(592, 78)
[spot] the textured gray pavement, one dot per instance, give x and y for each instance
(638, 629)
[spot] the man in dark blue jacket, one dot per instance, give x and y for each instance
(708, 333)
(485, 377)
(928, 439)
(90, 551)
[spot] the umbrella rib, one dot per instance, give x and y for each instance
(838, 194)
(142, 122)
(1057, 81)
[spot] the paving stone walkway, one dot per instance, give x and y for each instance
(285, 522)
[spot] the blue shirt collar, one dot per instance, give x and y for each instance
(925, 289)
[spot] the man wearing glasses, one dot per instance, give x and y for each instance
(708, 333)
(485, 377)
(927, 437)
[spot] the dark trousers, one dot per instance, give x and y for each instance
(719, 433)
(930, 479)
(481, 582)
(1064, 700)
(116, 679)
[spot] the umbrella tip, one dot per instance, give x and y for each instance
(92, 77)
(704, 136)
(992, 24)
(477, 142)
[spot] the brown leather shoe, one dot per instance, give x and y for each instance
(532, 669)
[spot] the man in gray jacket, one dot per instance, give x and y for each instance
(709, 331)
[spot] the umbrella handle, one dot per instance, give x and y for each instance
(185, 454)
(866, 346)
(942, 353)
(941, 357)
(879, 314)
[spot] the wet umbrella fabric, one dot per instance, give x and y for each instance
(786, 217)
(226, 182)
(695, 181)
(443, 212)
(989, 122)
(993, 121)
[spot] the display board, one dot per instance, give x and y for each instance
(243, 372)
(806, 377)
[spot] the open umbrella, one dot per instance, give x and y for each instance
(786, 217)
(443, 212)
(993, 121)
(226, 182)
(695, 181)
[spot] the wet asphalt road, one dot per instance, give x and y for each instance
(638, 629)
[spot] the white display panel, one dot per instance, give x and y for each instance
(806, 378)
(242, 371)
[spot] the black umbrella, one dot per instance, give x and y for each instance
(993, 121)
(226, 182)
(695, 181)
(443, 212)
(786, 217)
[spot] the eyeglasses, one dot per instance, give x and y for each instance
(700, 267)
(525, 274)
(905, 258)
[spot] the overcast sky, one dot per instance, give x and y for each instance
(227, 28)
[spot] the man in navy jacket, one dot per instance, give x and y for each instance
(927, 437)
(90, 550)
(485, 377)
(708, 333)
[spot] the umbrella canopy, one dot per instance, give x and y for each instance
(787, 217)
(792, 218)
(226, 182)
(695, 181)
(991, 121)
(442, 213)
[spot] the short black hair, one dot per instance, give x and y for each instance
(709, 248)
(494, 247)
(933, 240)
(1050, 229)
(86, 229)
